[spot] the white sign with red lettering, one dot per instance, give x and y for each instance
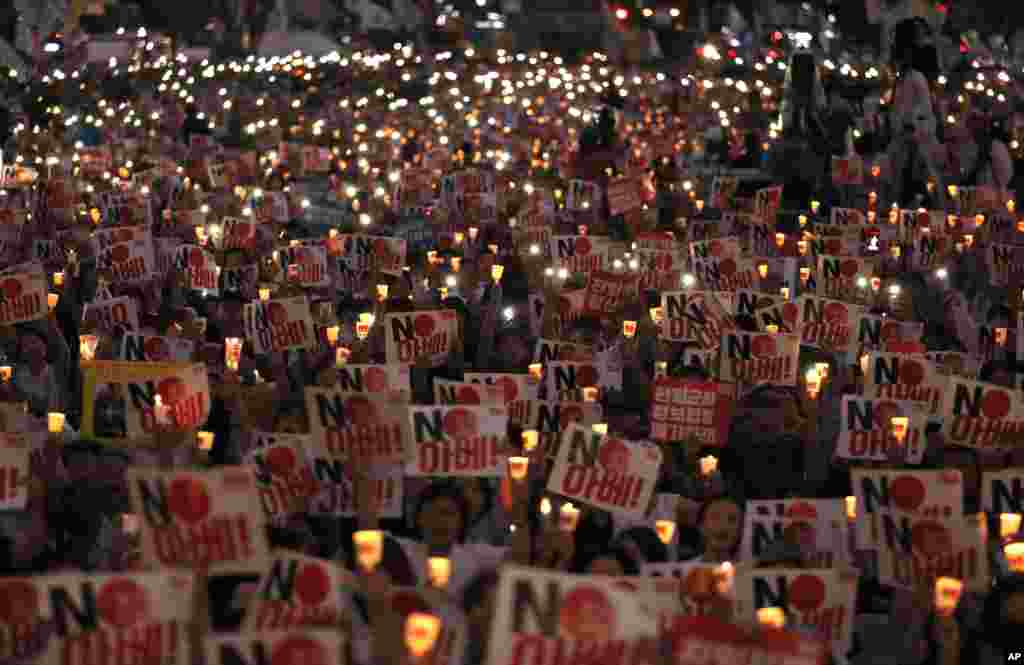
(411, 336)
(358, 428)
(307, 266)
(391, 380)
(899, 376)
(126, 252)
(816, 526)
(827, 324)
(278, 325)
(888, 500)
(112, 313)
(283, 472)
(297, 591)
(867, 431)
(15, 451)
(365, 253)
(277, 647)
(457, 441)
(982, 415)
(760, 358)
(448, 392)
(22, 298)
(607, 473)
(924, 548)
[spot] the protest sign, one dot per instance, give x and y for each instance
(154, 348)
(867, 431)
(607, 292)
(365, 429)
(457, 441)
(725, 274)
(109, 314)
(458, 392)
(897, 376)
(876, 332)
(22, 298)
(702, 640)
(768, 309)
(366, 253)
(277, 647)
(296, 591)
(1001, 491)
(685, 409)
(924, 548)
(278, 325)
(550, 419)
(538, 612)
(607, 473)
(126, 252)
(703, 588)
(15, 472)
(421, 335)
(192, 519)
(955, 363)
(306, 266)
(816, 526)
(199, 267)
(844, 278)
(982, 415)
(716, 248)
(759, 358)
(284, 475)
(128, 403)
(392, 380)
(694, 316)
(579, 254)
(565, 381)
(827, 324)
(548, 350)
(887, 500)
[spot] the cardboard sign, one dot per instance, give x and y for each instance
(766, 203)
(236, 233)
(154, 348)
(550, 419)
(276, 647)
(866, 430)
(702, 640)
(15, 453)
(816, 526)
(760, 358)
(768, 309)
(982, 415)
(608, 292)
(126, 252)
(896, 376)
(716, 248)
(127, 403)
(358, 428)
(565, 381)
(685, 409)
(725, 274)
(925, 549)
(848, 170)
(582, 195)
(844, 278)
(367, 253)
(22, 298)
(827, 324)
(459, 392)
(537, 611)
(1005, 265)
(553, 350)
(723, 192)
(107, 315)
(605, 472)
(430, 335)
(955, 363)
(457, 441)
(816, 599)
(876, 333)
(333, 475)
(200, 267)
(624, 196)
(700, 587)
(193, 519)
(284, 475)
(306, 266)
(887, 501)
(296, 591)
(392, 380)
(281, 324)
(147, 614)
(1001, 491)
(509, 390)
(579, 254)
(694, 316)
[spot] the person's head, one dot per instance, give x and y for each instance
(913, 47)
(479, 496)
(609, 562)
(720, 521)
(441, 516)
(642, 544)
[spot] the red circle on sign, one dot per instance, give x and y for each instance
(727, 267)
(300, 256)
(361, 411)
(120, 253)
(583, 246)
(587, 614)
(586, 376)
(907, 492)
(188, 499)
(312, 584)
(891, 332)
(614, 456)
(763, 346)
(995, 404)
(172, 390)
(122, 602)
(424, 325)
(196, 258)
(848, 268)
(911, 372)
(569, 414)
(467, 395)
(277, 314)
(19, 603)
(715, 247)
(790, 312)
(802, 509)
(509, 388)
(461, 424)
(564, 305)
(157, 349)
(835, 314)
(833, 245)
(884, 412)
(380, 247)
(281, 460)
(12, 288)
(931, 538)
(802, 534)
(123, 235)
(806, 592)
(298, 650)
(376, 379)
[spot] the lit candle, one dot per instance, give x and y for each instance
(493, 249)
(6, 372)
(851, 508)
(87, 346)
(900, 425)
(947, 595)
(771, 617)
(661, 368)
(58, 279)
(629, 329)
(780, 240)
(341, 356)
(570, 517)
(784, 292)
(814, 206)
(666, 530)
(1009, 524)
(51, 300)
(459, 237)
(1001, 336)
(517, 467)
(700, 205)
(421, 633)
(456, 262)
(531, 438)
(656, 314)
(865, 362)
(497, 271)
(55, 422)
(813, 382)
(204, 440)
(473, 232)
(803, 220)
(382, 292)
(232, 352)
(762, 269)
(332, 335)
(1011, 206)
(805, 273)
(708, 465)
(600, 428)
(822, 370)
(1014, 553)
(439, 571)
(590, 394)
(369, 548)
(264, 294)
(772, 329)
(968, 240)
(895, 251)
(536, 371)
(582, 229)
(953, 191)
